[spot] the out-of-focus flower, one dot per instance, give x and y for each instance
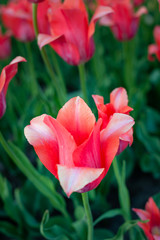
(70, 33)
(5, 44)
(138, 2)
(118, 104)
(73, 148)
(36, 1)
(6, 76)
(154, 49)
(17, 16)
(151, 213)
(123, 21)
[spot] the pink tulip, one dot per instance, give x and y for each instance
(17, 16)
(118, 104)
(6, 76)
(123, 21)
(151, 213)
(73, 148)
(70, 33)
(5, 45)
(154, 49)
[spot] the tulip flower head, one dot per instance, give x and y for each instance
(123, 21)
(154, 49)
(6, 76)
(151, 213)
(73, 147)
(5, 44)
(138, 2)
(17, 16)
(118, 104)
(71, 35)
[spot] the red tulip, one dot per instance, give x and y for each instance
(70, 33)
(5, 45)
(155, 48)
(6, 76)
(17, 16)
(118, 104)
(138, 2)
(151, 213)
(123, 21)
(73, 148)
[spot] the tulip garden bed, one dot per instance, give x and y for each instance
(80, 120)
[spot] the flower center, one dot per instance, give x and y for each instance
(156, 231)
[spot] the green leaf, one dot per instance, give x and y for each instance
(55, 228)
(28, 218)
(124, 228)
(9, 230)
(42, 183)
(109, 214)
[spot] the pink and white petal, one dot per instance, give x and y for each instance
(65, 140)
(9, 72)
(75, 179)
(152, 208)
(142, 10)
(118, 125)
(128, 137)
(88, 153)
(77, 118)
(98, 99)
(119, 98)
(156, 237)
(44, 141)
(2, 104)
(75, 4)
(100, 12)
(142, 214)
(152, 50)
(45, 39)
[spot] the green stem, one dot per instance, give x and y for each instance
(33, 82)
(129, 55)
(88, 215)
(59, 90)
(82, 75)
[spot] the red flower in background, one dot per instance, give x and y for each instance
(69, 34)
(35, 1)
(151, 213)
(5, 44)
(73, 148)
(17, 16)
(123, 21)
(6, 76)
(154, 49)
(138, 2)
(118, 104)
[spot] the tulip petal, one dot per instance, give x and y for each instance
(77, 178)
(153, 50)
(88, 153)
(118, 125)
(44, 141)
(152, 208)
(66, 143)
(98, 99)
(141, 11)
(119, 99)
(2, 104)
(142, 214)
(100, 12)
(9, 72)
(44, 39)
(77, 118)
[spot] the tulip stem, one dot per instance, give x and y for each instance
(59, 90)
(82, 75)
(88, 215)
(128, 55)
